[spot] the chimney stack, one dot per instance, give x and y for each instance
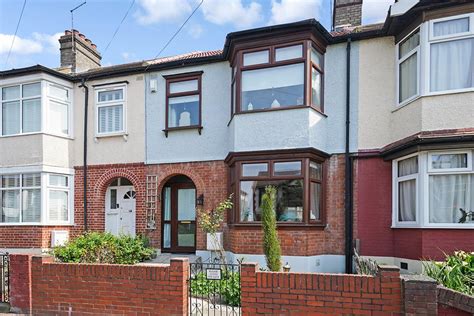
(347, 13)
(78, 55)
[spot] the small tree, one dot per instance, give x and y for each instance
(271, 244)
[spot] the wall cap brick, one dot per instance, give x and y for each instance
(455, 299)
(407, 278)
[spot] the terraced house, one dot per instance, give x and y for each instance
(367, 132)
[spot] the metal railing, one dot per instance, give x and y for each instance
(4, 277)
(214, 289)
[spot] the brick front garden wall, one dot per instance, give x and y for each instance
(42, 287)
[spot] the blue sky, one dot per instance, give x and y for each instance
(148, 26)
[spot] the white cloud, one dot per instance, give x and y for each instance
(232, 12)
(285, 11)
(195, 30)
(154, 11)
(21, 45)
(128, 56)
(50, 42)
(375, 11)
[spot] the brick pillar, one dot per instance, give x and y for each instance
(20, 283)
(420, 295)
(179, 274)
(391, 288)
(248, 288)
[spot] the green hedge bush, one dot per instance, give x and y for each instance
(104, 248)
(456, 272)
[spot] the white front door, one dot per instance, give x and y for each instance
(120, 210)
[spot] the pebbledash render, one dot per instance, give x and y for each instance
(366, 131)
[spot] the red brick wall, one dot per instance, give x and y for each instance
(452, 303)
(27, 236)
(96, 289)
(210, 179)
(304, 241)
(444, 310)
(310, 293)
(20, 281)
(374, 211)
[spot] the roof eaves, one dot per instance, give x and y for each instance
(34, 69)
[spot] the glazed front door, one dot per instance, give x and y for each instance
(179, 218)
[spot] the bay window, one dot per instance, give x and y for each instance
(22, 196)
(299, 189)
(277, 77)
(439, 192)
(408, 60)
(110, 110)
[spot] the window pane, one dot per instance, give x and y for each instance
(183, 111)
(111, 95)
(167, 236)
(10, 206)
(186, 233)
(125, 181)
(183, 86)
(167, 204)
(58, 92)
(58, 180)
(408, 81)
(11, 181)
(254, 169)
(31, 205)
(407, 201)
(31, 115)
(292, 168)
(452, 65)
(113, 199)
(315, 212)
(289, 202)
(31, 180)
(317, 58)
(315, 170)
(110, 119)
(449, 161)
(451, 27)
(290, 52)
(58, 209)
(58, 120)
(409, 44)
(10, 93)
(11, 118)
(448, 195)
(273, 87)
(408, 166)
(32, 90)
(261, 57)
(186, 204)
(316, 87)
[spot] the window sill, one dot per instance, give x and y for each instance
(39, 133)
(106, 135)
(280, 226)
(454, 226)
(37, 224)
(282, 108)
(172, 129)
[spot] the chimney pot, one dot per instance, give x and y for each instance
(78, 55)
(82, 36)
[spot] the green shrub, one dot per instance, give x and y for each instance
(456, 272)
(271, 244)
(228, 288)
(104, 248)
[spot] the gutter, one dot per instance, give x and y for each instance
(348, 197)
(86, 111)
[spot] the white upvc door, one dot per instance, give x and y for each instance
(120, 210)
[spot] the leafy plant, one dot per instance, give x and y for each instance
(456, 272)
(95, 247)
(210, 220)
(271, 244)
(228, 288)
(365, 266)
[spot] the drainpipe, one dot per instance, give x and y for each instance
(348, 170)
(86, 110)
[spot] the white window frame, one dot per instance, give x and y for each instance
(41, 96)
(395, 183)
(399, 61)
(67, 102)
(122, 102)
(423, 190)
(45, 189)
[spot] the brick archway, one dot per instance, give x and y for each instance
(195, 178)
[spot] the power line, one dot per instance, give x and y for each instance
(118, 27)
(176, 33)
(16, 31)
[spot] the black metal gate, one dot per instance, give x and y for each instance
(4, 277)
(214, 289)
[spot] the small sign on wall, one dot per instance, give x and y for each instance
(213, 274)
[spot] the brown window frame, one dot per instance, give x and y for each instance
(320, 107)
(238, 64)
(236, 176)
(180, 78)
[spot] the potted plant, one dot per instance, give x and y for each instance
(210, 221)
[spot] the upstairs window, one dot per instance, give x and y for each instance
(59, 104)
(110, 110)
(183, 101)
(408, 61)
(275, 77)
(21, 109)
(451, 49)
